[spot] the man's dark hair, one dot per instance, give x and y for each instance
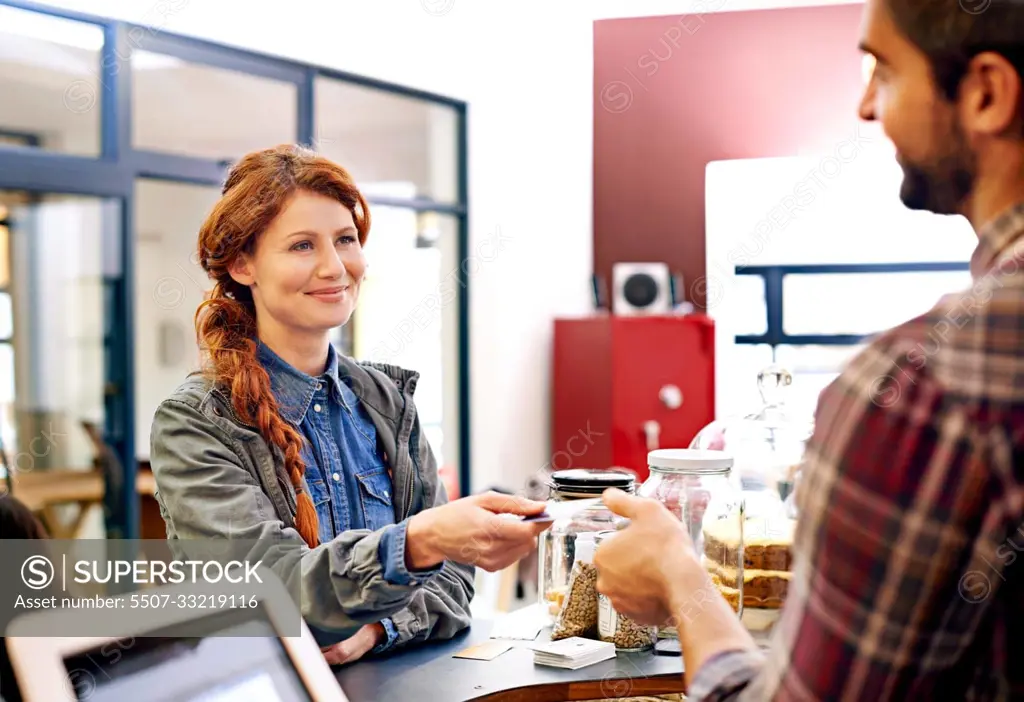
(951, 33)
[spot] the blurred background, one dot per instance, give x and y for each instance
(593, 223)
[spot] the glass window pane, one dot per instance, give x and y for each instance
(6, 375)
(408, 313)
(5, 254)
(60, 248)
(197, 110)
(49, 78)
(862, 303)
(736, 370)
(6, 316)
(813, 368)
(7, 417)
(169, 286)
(387, 140)
(751, 310)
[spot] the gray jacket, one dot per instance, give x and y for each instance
(217, 478)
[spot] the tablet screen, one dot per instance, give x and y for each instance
(238, 658)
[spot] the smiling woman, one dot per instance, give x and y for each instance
(289, 227)
(316, 461)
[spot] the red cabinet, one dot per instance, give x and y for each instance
(624, 385)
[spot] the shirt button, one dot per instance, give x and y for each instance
(336, 477)
(319, 386)
(316, 408)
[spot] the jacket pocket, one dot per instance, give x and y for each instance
(375, 498)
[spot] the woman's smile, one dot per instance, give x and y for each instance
(334, 293)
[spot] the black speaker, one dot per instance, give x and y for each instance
(641, 289)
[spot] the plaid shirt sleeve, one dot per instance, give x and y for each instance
(908, 500)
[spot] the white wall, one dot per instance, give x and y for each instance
(169, 286)
(526, 70)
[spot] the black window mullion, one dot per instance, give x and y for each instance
(218, 56)
(307, 129)
(775, 334)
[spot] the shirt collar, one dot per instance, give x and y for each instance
(996, 238)
(292, 388)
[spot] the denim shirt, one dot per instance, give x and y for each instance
(346, 476)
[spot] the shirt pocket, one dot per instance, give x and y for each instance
(321, 497)
(375, 498)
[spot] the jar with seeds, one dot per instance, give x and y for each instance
(556, 550)
(627, 635)
(578, 615)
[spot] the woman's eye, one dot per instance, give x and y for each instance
(346, 239)
(301, 246)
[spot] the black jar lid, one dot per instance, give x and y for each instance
(591, 480)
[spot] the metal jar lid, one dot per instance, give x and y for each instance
(591, 481)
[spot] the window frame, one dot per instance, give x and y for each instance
(775, 333)
(114, 172)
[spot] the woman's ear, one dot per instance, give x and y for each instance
(240, 270)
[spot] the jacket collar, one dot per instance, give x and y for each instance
(382, 386)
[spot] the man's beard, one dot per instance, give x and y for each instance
(941, 184)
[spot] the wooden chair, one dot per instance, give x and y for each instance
(44, 490)
(109, 466)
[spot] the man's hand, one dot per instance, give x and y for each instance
(643, 568)
(481, 530)
(356, 646)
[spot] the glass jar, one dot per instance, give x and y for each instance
(627, 635)
(699, 488)
(556, 550)
(767, 447)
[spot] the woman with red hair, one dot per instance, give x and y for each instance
(280, 439)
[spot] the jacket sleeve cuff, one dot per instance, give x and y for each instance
(724, 675)
(392, 632)
(392, 556)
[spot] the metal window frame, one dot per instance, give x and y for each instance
(114, 172)
(775, 334)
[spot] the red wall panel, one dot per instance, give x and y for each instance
(674, 93)
(609, 373)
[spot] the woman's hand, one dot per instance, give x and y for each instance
(356, 646)
(480, 530)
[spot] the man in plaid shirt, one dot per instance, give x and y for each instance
(911, 509)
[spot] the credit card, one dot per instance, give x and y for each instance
(558, 510)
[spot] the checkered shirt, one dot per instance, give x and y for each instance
(911, 513)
